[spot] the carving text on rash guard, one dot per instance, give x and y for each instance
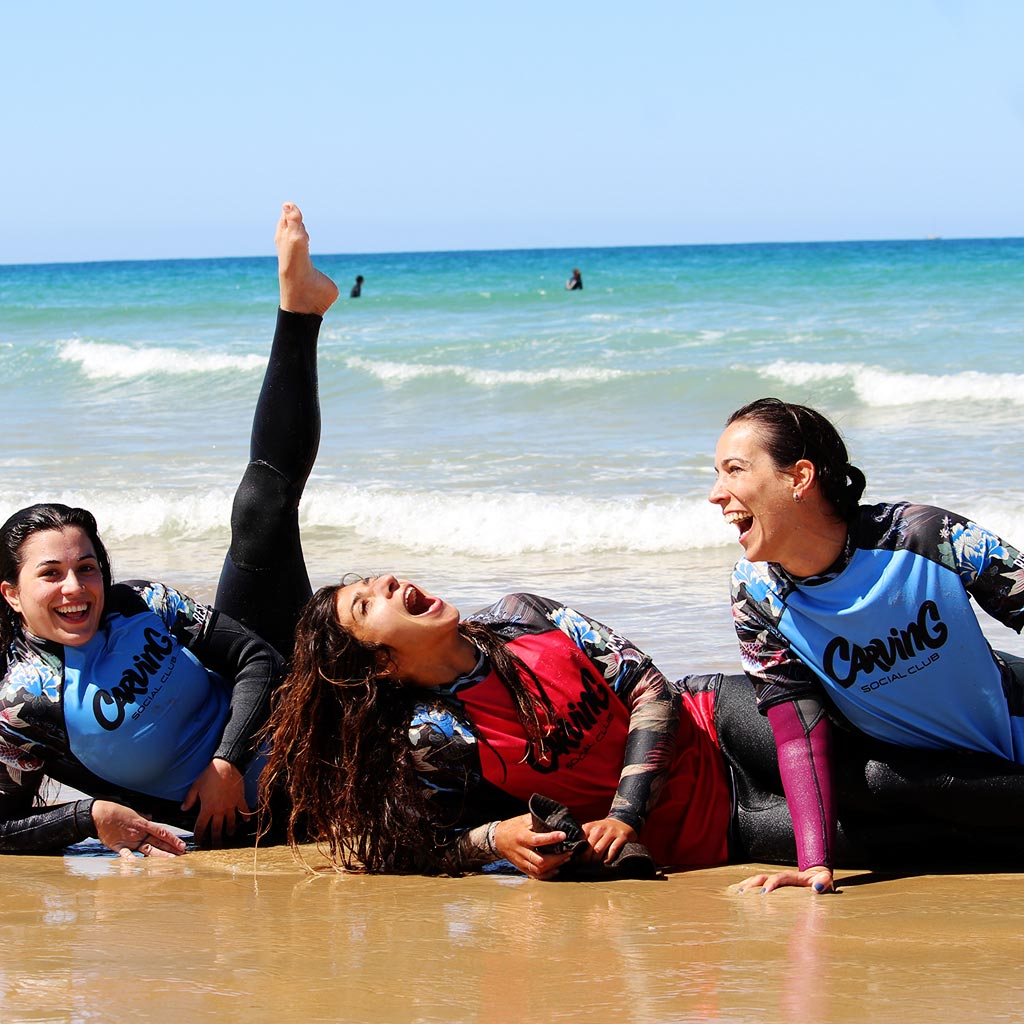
(134, 681)
(569, 732)
(844, 660)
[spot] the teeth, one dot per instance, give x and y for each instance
(736, 517)
(71, 609)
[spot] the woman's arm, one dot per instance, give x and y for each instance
(252, 669)
(513, 840)
(803, 739)
(787, 692)
(992, 571)
(249, 666)
(27, 828)
(654, 710)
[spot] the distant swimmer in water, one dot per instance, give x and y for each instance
(575, 283)
(357, 288)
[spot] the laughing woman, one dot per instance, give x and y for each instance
(132, 692)
(862, 615)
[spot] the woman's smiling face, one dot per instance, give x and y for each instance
(413, 625)
(59, 591)
(753, 493)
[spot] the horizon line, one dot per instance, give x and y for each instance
(522, 248)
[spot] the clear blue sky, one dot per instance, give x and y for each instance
(136, 130)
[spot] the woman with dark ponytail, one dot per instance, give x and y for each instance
(859, 614)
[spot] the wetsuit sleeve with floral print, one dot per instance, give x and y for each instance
(654, 707)
(445, 747)
(35, 724)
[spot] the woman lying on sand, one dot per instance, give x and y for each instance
(132, 692)
(408, 739)
(861, 614)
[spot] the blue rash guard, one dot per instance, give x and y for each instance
(134, 715)
(888, 634)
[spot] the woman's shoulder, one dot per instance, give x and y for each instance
(517, 609)
(130, 597)
(756, 581)
(908, 525)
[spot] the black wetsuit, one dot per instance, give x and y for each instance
(264, 582)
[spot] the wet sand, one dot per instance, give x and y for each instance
(210, 937)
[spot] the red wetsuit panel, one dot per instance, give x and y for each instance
(586, 749)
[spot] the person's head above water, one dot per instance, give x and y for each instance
(54, 574)
(783, 477)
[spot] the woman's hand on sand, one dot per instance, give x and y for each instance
(606, 838)
(124, 831)
(818, 879)
(516, 841)
(220, 791)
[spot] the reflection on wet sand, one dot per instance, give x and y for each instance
(210, 937)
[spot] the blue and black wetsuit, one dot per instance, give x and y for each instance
(886, 642)
(136, 714)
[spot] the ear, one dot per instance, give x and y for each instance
(804, 476)
(10, 593)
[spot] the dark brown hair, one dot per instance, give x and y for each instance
(22, 525)
(339, 739)
(789, 432)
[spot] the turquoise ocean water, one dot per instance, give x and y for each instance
(485, 430)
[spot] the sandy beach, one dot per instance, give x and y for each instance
(211, 936)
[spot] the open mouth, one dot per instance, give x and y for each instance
(73, 613)
(743, 521)
(416, 602)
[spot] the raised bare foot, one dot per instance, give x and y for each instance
(304, 289)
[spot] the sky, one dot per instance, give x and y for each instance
(147, 131)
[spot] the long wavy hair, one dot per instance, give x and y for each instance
(22, 525)
(791, 432)
(339, 743)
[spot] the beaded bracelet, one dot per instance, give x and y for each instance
(489, 840)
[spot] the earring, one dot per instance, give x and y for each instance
(796, 496)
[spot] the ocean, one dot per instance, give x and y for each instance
(487, 431)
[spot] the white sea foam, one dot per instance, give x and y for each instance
(100, 360)
(124, 515)
(503, 524)
(876, 386)
(401, 373)
(470, 523)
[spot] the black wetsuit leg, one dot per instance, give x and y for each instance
(898, 807)
(762, 828)
(264, 583)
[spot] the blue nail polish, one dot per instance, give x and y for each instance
(764, 890)
(819, 886)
